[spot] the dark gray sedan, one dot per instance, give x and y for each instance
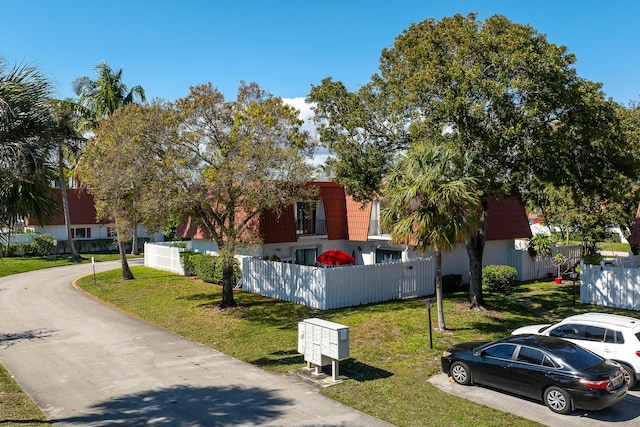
(560, 373)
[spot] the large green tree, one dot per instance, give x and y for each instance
(102, 97)
(124, 165)
(430, 204)
(510, 100)
(624, 212)
(245, 156)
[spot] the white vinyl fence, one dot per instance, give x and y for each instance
(632, 261)
(17, 238)
(610, 286)
(532, 268)
(162, 256)
(336, 287)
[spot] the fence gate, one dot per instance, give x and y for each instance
(409, 283)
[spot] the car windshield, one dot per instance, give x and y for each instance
(577, 357)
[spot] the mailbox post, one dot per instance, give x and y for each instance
(323, 343)
(429, 303)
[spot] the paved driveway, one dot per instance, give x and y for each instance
(623, 414)
(86, 364)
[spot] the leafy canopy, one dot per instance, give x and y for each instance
(242, 158)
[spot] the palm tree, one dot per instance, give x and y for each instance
(428, 203)
(68, 145)
(25, 135)
(100, 98)
(106, 94)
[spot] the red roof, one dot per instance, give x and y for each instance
(347, 219)
(358, 218)
(335, 209)
(82, 209)
(278, 228)
(507, 219)
(191, 230)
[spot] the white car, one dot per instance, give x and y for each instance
(608, 335)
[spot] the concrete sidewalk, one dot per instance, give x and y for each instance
(84, 363)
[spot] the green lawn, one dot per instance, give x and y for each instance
(16, 408)
(390, 358)
(614, 246)
(20, 265)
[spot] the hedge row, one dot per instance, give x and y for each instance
(42, 245)
(208, 268)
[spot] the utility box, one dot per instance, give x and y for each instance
(323, 343)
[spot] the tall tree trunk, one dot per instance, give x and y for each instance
(227, 282)
(65, 205)
(8, 239)
(439, 304)
(134, 241)
(475, 250)
(126, 271)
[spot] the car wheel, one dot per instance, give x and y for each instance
(557, 400)
(460, 373)
(629, 375)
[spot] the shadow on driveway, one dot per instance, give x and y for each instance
(181, 406)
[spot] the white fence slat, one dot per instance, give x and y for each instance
(163, 257)
(533, 268)
(610, 286)
(336, 287)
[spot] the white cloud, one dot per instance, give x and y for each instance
(306, 113)
(321, 157)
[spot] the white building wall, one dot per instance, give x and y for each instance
(98, 231)
(455, 261)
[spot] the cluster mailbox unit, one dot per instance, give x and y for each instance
(323, 343)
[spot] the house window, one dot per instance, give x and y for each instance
(387, 255)
(307, 220)
(81, 233)
(375, 225)
(111, 232)
(306, 256)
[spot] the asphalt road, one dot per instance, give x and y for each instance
(86, 364)
(623, 414)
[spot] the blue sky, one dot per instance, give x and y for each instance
(286, 46)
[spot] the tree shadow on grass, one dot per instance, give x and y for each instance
(186, 406)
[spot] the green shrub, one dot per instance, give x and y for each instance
(207, 267)
(593, 259)
(451, 283)
(17, 249)
(539, 244)
(28, 249)
(498, 278)
(43, 245)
